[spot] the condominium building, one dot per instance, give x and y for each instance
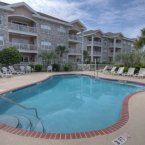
(32, 32)
(105, 46)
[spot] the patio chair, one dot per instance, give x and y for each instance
(104, 69)
(13, 71)
(112, 70)
(49, 68)
(119, 72)
(5, 72)
(22, 69)
(28, 69)
(130, 72)
(141, 73)
(1, 74)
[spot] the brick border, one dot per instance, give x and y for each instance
(121, 122)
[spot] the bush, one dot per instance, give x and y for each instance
(67, 67)
(10, 56)
(56, 67)
(125, 69)
(38, 68)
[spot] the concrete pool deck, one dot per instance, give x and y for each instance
(135, 127)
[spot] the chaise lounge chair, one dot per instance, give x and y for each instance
(104, 69)
(119, 72)
(113, 70)
(5, 75)
(13, 71)
(130, 72)
(141, 73)
(6, 72)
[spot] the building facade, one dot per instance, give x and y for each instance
(32, 32)
(105, 46)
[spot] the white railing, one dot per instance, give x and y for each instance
(118, 45)
(73, 37)
(98, 43)
(74, 50)
(111, 44)
(24, 47)
(97, 53)
(23, 28)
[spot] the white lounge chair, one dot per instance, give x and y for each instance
(1, 74)
(141, 73)
(113, 70)
(22, 69)
(119, 72)
(28, 69)
(49, 68)
(104, 69)
(5, 73)
(130, 72)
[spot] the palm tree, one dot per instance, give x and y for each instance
(60, 50)
(140, 41)
(47, 57)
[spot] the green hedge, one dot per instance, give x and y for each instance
(38, 68)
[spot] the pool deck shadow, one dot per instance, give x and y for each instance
(135, 126)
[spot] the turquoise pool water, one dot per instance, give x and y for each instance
(71, 103)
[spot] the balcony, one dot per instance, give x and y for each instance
(119, 45)
(75, 51)
(95, 43)
(16, 28)
(74, 38)
(97, 53)
(25, 48)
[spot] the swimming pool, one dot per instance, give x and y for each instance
(69, 103)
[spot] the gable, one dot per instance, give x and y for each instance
(23, 11)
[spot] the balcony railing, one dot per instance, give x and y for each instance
(98, 43)
(74, 38)
(23, 28)
(97, 53)
(75, 51)
(118, 45)
(24, 47)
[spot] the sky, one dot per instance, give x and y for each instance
(126, 16)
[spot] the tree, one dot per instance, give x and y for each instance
(140, 41)
(47, 57)
(130, 59)
(10, 56)
(60, 50)
(86, 56)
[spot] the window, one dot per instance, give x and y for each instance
(61, 29)
(45, 44)
(1, 19)
(1, 40)
(25, 58)
(45, 27)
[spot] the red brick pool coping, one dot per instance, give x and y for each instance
(122, 121)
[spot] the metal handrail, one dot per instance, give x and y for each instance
(24, 107)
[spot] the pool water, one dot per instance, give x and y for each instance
(71, 103)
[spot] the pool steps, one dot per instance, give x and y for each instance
(22, 122)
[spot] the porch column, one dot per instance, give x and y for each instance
(82, 35)
(92, 44)
(114, 49)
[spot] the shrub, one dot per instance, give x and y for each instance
(125, 69)
(56, 67)
(10, 56)
(67, 67)
(38, 67)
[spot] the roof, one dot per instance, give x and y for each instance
(3, 4)
(51, 17)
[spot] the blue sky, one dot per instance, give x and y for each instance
(126, 16)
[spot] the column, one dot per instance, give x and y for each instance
(82, 47)
(114, 49)
(101, 50)
(92, 45)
